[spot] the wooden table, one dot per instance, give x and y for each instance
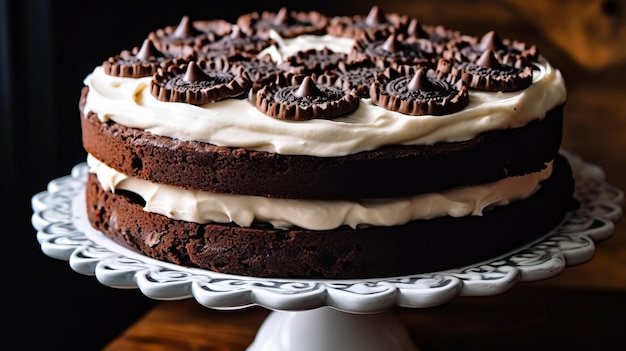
(582, 308)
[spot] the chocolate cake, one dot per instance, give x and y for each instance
(296, 144)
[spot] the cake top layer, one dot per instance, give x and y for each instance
(416, 84)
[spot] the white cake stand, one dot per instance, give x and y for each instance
(311, 314)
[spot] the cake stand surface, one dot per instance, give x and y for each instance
(313, 314)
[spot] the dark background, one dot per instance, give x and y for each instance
(48, 47)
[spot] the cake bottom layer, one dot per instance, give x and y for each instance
(344, 253)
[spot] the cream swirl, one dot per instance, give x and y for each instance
(237, 122)
(206, 207)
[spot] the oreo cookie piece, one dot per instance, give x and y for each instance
(187, 33)
(513, 53)
(299, 98)
(394, 49)
(262, 70)
(287, 23)
(488, 73)
(413, 92)
(357, 75)
(200, 82)
(139, 62)
(357, 25)
(235, 42)
(313, 61)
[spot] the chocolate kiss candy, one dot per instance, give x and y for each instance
(194, 73)
(375, 17)
(148, 51)
(281, 16)
(185, 29)
(415, 29)
(391, 44)
(421, 82)
(488, 60)
(492, 41)
(308, 88)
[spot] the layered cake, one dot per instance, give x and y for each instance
(296, 144)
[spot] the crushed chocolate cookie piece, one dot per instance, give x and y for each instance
(218, 27)
(357, 75)
(187, 33)
(513, 53)
(139, 62)
(262, 70)
(235, 42)
(299, 98)
(488, 73)
(394, 49)
(313, 61)
(416, 92)
(375, 21)
(200, 82)
(287, 23)
(439, 36)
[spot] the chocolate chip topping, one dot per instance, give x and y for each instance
(200, 82)
(299, 98)
(415, 29)
(488, 73)
(139, 62)
(421, 83)
(185, 29)
(308, 89)
(148, 51)
(415, 92)
(194, 74)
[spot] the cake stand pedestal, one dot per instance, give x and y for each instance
(310, 314)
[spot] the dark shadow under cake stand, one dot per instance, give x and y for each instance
(310, 314)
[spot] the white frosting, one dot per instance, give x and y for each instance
(238, 123)
(207, 207)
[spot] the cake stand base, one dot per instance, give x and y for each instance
(311, 314)
(328, 329)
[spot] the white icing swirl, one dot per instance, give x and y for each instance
(206, 207)
(238, 123)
